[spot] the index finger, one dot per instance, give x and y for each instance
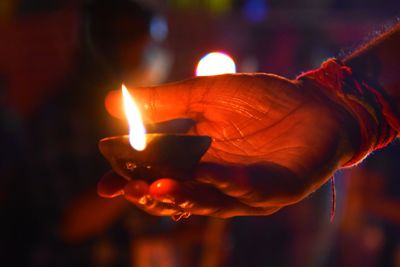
(184, 99)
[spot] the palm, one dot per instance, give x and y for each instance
(274, 142)
(263, 118)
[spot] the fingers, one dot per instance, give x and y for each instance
(111, 185)
(224, 191)
(165, 102)
(201, 199)
(167, 197)
(137, 192)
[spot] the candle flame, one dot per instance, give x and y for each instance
(137, 132)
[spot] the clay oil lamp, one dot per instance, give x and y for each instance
(149, 156)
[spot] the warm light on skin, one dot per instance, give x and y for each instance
(215, 63)
(113, 104)
(137, 132)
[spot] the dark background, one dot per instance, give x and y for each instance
(60, 58)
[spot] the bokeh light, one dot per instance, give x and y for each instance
(158, 28)
(255, 10)
(215, 63)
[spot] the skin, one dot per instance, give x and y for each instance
(275, 140)
(378, 61)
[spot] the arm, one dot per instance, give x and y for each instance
(379, 61)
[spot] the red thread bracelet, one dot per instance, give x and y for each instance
(379, 124)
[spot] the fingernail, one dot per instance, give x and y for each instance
(146, 200)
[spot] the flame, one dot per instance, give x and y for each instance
(137, 132)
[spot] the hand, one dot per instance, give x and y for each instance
(275, 141)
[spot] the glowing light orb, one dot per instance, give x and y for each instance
(215, 63)
(158, 28)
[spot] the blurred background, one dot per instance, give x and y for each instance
(59, 59)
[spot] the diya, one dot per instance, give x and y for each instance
(154, 155)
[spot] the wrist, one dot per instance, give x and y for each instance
(377, 123)
(345, 124)
(383, 82)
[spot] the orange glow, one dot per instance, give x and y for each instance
(137, 132)
(113, 104)
(215, 63)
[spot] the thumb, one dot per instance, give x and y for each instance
(183, 99)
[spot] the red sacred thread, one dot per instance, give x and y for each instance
(333, 209)
(378, 122)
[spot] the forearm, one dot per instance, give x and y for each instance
(379, 61)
